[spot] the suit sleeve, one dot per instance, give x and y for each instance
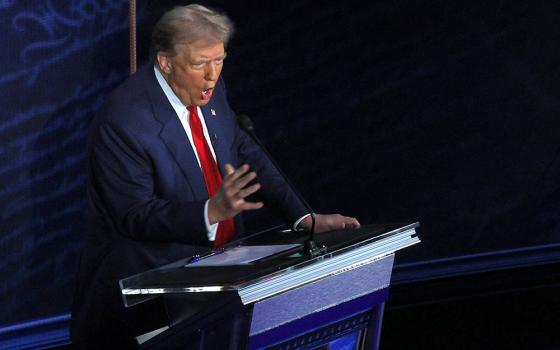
(122, 192)
(275, 192)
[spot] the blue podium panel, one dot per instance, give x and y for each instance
(347, 300)
(352, 325)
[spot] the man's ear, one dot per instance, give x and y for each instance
(164, 62)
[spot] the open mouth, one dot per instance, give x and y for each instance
(207, 93)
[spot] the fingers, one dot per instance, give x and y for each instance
(229, 169)
(252, 205)
(350, 222)
(239, 177)
(244, 180)
(248, 191)
(233, 174)
(236, 181)
(335, 222)
(340, 222)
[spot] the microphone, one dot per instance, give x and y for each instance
(311, 248)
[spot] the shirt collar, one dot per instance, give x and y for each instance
(176, 103)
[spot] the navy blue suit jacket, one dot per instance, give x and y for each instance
(147, 195)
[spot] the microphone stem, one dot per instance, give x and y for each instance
(311, 247)
(300, 197)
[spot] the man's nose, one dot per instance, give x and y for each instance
(211, 71)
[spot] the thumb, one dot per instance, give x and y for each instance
(229, 168)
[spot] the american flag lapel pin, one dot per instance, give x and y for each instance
(213, 112)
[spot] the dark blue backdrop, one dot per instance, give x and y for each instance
(59, 59)
(443, 112)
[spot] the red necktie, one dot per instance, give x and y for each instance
(210, 172)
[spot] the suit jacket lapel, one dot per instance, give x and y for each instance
(174, 137)
(216, 127)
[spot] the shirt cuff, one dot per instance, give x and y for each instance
(211, 229)
(296, 224)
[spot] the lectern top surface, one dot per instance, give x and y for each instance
(186, 277)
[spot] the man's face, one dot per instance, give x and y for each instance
(193, 72)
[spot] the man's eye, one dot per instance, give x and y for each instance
(197, 65)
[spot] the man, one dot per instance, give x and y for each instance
(169, 172)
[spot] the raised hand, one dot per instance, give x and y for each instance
(230, 198)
